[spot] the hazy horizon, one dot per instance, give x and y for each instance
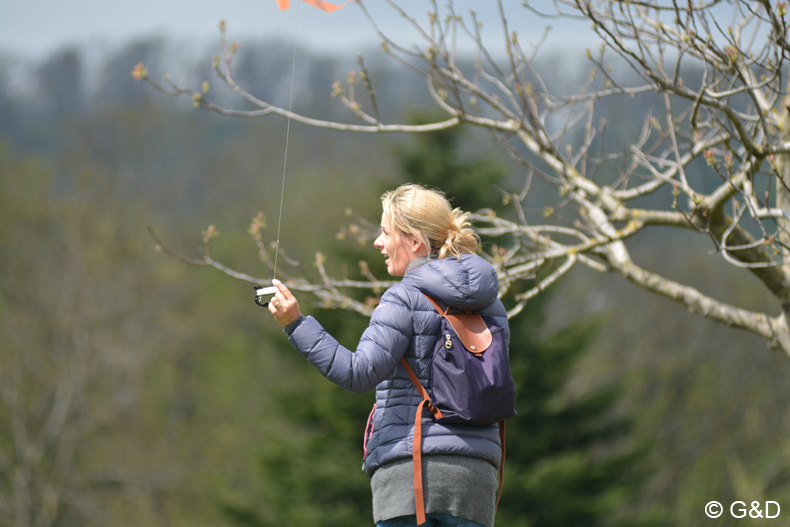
(35, 29)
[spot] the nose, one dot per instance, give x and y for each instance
(378, 244)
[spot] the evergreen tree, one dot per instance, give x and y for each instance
(436, 160)
(565, 465)
(569, 461)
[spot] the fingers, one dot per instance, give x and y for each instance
(279, 301)
(286, 294)
(278, 304)
(283, 305)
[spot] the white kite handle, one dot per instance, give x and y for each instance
(265, 291)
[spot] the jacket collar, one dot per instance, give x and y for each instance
(422, 260)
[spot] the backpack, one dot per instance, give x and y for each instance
(471, 384)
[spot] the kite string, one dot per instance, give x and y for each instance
(287, 137)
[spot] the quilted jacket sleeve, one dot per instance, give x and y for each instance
(382, 345)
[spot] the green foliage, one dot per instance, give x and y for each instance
(312, 466)
(163, 373)
(569, 459)
(73, 297)
(193, 410)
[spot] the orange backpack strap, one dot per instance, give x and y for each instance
(416, 455)
(501, 463)
(416, 449)
(436, 305)
(420, 389)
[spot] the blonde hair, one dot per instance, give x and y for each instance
(427, 215)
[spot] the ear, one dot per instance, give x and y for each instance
(418, 248)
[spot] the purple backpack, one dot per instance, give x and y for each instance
(471, 383)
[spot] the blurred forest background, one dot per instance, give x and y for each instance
(136, 390)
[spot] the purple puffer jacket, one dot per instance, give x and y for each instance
(405, 323)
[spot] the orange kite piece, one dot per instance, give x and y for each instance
(320, 4)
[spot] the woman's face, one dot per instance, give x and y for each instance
(399, 248)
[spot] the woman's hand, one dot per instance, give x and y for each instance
(284, 306)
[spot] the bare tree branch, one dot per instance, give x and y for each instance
(717, 134)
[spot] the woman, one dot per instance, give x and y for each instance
(433, 247)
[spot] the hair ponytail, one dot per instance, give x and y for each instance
(427, 215)
(461, 238)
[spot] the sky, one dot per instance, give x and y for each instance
(33, 29)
